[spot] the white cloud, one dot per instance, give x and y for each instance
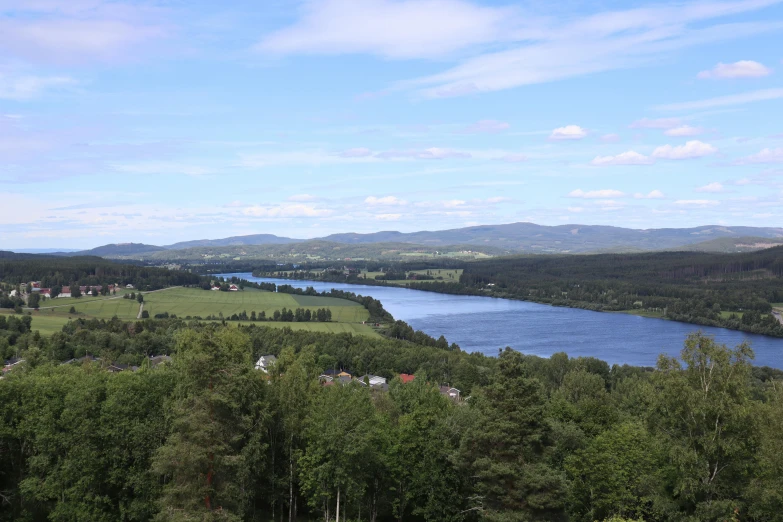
(386, 200)
(84, 31)
(711, 187)
(576, 209)
(610, 138)
(656, 123)
(626, 158)
(388, 217)
(555, 48)
(684, 130)
(741, 69)
(164, 167)
(285, 211)
(27, 87)
(724, 101)
(390, 28)
(487, 126)
(569, 132)
(596, 194)
(655, 194)
(697, 203)
(359, 152)
(691, 149)
(764, 156)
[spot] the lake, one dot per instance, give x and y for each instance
(487, 324)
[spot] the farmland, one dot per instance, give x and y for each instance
(186, 303)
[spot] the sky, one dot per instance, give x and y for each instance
(157, 122)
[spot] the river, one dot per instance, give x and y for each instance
(487, 324)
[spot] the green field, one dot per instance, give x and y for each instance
(347, 316)
(47, 324)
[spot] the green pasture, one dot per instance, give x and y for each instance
(47, 324)
(194, 302)
(67, 302)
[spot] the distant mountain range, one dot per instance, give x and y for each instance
(491, 239)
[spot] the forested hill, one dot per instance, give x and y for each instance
(54, 271)
(529, 237)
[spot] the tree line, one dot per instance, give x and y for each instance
(207, 437)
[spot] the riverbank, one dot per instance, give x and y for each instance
(486, 325)
(454, 288)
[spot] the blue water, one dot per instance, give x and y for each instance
(486, 325)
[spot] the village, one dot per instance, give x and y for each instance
(334, 377)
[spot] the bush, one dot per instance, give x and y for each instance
(145, 315)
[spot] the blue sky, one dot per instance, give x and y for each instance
(163, 121)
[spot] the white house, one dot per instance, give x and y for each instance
(265, 362)
(373, 380)
(129, 286)
(65, 292)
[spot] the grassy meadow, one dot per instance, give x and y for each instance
(347, 316)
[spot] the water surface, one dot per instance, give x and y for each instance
(486, 325)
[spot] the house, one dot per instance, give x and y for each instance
(13, 293)
(65, 292)
(451, 393)
(265, 363)
(157, 360)
(10, 364)
(233, 288)
(35, 284)
(343, 374)
(129, 286)
(324, 379)
(216, 288)
(46, 292)
(86, 358)
(331, 373)
(406, 378)
(373, 380)
(344, 379)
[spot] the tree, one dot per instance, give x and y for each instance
(34, 301)
(620, 472)
(75, 290)
(206, 460)
(140, 298)
(338, 447)
(505, 449)
(702, 412)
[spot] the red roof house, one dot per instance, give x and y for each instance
(406, 378)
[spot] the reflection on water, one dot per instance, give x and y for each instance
(486, 324)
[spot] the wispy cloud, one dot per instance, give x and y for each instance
(596, 194)
(654, 194)
(27, 87)
(656, 123)
(684, 130)
(385, 201)
(711, 187)
(487, 126)
(626, 158)
(725, 101)
(741, 69)
(691, 149)
(569, 132)
(767, 155)
(392, 29)
(533, 49)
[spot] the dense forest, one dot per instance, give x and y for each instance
(55, 272)
(208, 437)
